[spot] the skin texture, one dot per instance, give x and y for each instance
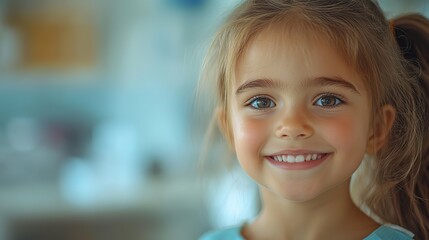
(281, 101)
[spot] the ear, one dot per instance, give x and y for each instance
(382, 127)
(223, 125)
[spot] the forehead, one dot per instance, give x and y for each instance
(277, 39)
(301, 52)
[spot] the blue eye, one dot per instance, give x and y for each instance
(261, 103)
(329, 101)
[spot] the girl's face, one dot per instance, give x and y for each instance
(300, 117)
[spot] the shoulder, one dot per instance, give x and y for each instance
(231, 233)
(390, 231)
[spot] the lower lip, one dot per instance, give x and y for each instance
(298, 165)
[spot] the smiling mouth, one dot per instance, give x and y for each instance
(299, 158)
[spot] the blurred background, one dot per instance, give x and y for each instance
(98, 134)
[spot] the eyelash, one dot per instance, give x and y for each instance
(251, 101)
(338, 100)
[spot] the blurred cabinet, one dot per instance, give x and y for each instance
(163, 209)
(55, 34)
(128, 226)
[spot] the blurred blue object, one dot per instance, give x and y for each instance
(188, 3)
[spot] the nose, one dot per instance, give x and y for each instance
(294, 125)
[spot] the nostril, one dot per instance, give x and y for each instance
(301, 131)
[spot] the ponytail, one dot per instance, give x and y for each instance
(412, 36)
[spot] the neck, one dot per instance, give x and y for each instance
(331, 213)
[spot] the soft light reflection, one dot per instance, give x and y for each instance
(22, 134)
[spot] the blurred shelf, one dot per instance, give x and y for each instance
(162, 209)
(46, 201)
(64, 78)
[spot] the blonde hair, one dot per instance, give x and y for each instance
(397, 189)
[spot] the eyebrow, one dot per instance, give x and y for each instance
(257, 83)
(336, 81)
(322, 81)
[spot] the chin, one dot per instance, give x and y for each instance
(295, 196)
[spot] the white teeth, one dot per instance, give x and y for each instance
(290, 159)
(297, 158)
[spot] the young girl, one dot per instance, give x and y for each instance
(310, 93)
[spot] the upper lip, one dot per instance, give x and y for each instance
(297, 152)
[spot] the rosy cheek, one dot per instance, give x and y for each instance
(248, 133)
(346, 133)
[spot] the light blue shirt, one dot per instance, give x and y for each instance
(384, 232)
